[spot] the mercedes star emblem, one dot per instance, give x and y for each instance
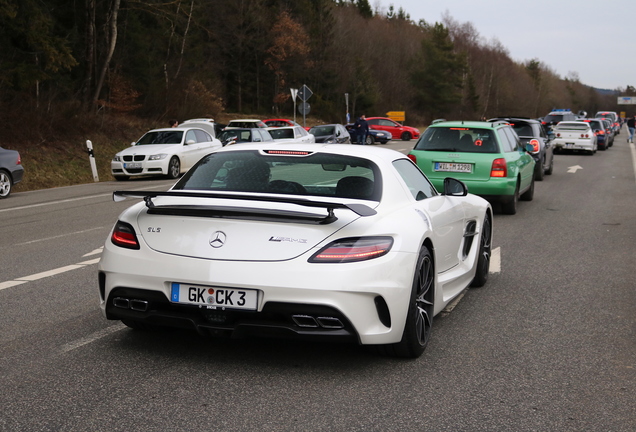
(218, 239)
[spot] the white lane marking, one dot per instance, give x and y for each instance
(95, 252)
(61, 235)
(54, 202)
(9, 284)
(92, 337)
(633, 148)
(76, 199)
(574, 168)
(49, 273)
(495, 261)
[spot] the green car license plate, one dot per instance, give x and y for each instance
(214, 297)
(453, 167)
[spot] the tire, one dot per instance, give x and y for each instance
(529, 194)
(406, 136)
(174, 168)
(369, 140)
(510, 207)
(6, 184)
(485, 247)
(551, 167)
(419, 319)
(539, 172)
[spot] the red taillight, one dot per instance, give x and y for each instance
(353, 249)
(535, 145)
(19, 161)
(499, 168)
(124, 236)
(412, 157)
(585, 136)
(558, 134)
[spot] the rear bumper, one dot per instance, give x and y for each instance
(366, 302)
(573, 144)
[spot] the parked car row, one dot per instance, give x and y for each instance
(172, 151)
(502, 158)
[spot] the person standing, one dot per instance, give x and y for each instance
(362, 129)
(631, 125)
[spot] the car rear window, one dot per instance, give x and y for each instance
(458, 139)
(282, 133)
(553, 118)
(322, 130)
(315, 174)
(565, 126)
(523, 129)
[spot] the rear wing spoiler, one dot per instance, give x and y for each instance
(194, 210)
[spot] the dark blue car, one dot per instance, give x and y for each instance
(373, 136)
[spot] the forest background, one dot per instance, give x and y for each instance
(109, 70)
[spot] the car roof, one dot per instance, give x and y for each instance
(514, 118)
(573, 122)
(471, 124)
(199, 120)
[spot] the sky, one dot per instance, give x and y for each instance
(595, 39)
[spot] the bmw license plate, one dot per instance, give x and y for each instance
(453, 167)
(132, 165)
(214, 297)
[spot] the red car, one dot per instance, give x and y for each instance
(283, 122)
(405, 133)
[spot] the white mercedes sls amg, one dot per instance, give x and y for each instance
(317, 241)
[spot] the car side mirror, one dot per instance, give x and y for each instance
(133, 143)
(190, 141)
(454, 187)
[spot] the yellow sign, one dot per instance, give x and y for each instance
(397, 115)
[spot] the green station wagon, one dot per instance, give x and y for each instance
(488, 157)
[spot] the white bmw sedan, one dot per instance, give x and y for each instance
(169, 152)
(297, 240)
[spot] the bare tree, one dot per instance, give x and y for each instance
(112, 41)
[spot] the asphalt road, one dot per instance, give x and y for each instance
(547, 345)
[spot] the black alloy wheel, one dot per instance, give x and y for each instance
(485, 247)
(419, 319)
